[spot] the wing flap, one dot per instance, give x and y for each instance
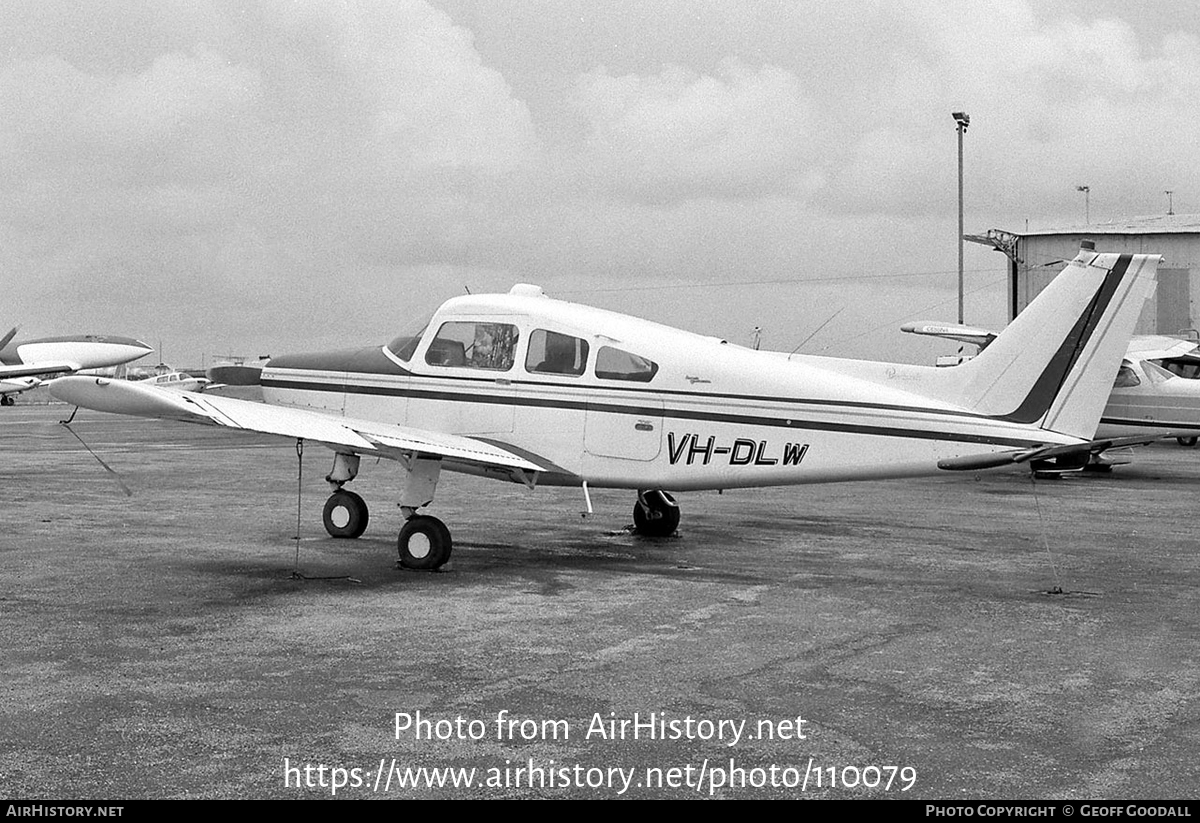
(341, 433)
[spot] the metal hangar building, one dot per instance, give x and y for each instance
(1035, 257)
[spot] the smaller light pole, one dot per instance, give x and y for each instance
(1087, 203)
(962, 119)
(1170, 201)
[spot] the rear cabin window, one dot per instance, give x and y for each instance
(554, 353)
(615, 364)
(474, 345)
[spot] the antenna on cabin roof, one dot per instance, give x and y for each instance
(814, 334)
(468, 288)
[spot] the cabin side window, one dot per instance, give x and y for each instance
(554, 353)
(1181, 368)
(615, 364)
(474, 345)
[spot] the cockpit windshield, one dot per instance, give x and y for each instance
(406, 344)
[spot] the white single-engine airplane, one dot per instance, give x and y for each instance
(23, 365)
(1150, 395)
(178, 381)
(524, 388)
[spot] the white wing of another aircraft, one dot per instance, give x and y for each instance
(23, 365)
(527, 389)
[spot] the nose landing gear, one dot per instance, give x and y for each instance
(345, 515)
(424, 543)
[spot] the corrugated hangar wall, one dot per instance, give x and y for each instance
(1170, 310)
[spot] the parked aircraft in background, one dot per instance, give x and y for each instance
(178, 381)
(523, 388)
(235, 371)
(24, 365)
(1154, 392)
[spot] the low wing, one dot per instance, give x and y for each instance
(972, 462)
(339, 433)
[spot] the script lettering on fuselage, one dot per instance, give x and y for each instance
(692, 449)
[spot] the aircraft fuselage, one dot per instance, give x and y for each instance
(641, 405)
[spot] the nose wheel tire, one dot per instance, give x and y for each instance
(345, 515)
(656, 514)
(424, 543)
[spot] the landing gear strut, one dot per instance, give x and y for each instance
(345, 514)
(656, 514)
(424, 542)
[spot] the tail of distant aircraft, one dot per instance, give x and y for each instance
(1054, 365)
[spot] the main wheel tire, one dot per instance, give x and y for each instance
(424, 543)
(1189, 442)
(655, 514)
(345, 515)
(7, 400)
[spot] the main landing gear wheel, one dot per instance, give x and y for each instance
(424, 543)
(7, 400)
(345, 514)
(1189, 442)
(655, 514)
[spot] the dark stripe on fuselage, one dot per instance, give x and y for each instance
(368, 360)
(334, 387)
(1050, 381)
(675, 414)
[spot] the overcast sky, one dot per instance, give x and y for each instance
(261, 177)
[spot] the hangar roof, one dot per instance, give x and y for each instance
(1151, 224)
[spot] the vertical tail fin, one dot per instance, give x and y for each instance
(1054, 365)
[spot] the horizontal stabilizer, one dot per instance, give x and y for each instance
(974, 462)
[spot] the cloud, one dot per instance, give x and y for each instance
(171, 121)
(259, 159)
(678, 134)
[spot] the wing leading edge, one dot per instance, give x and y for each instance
(339, 433)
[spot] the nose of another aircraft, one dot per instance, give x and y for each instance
(116, 350)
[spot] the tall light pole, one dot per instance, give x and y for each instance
(1170, 201)
(963, 120)
(1087, 203)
